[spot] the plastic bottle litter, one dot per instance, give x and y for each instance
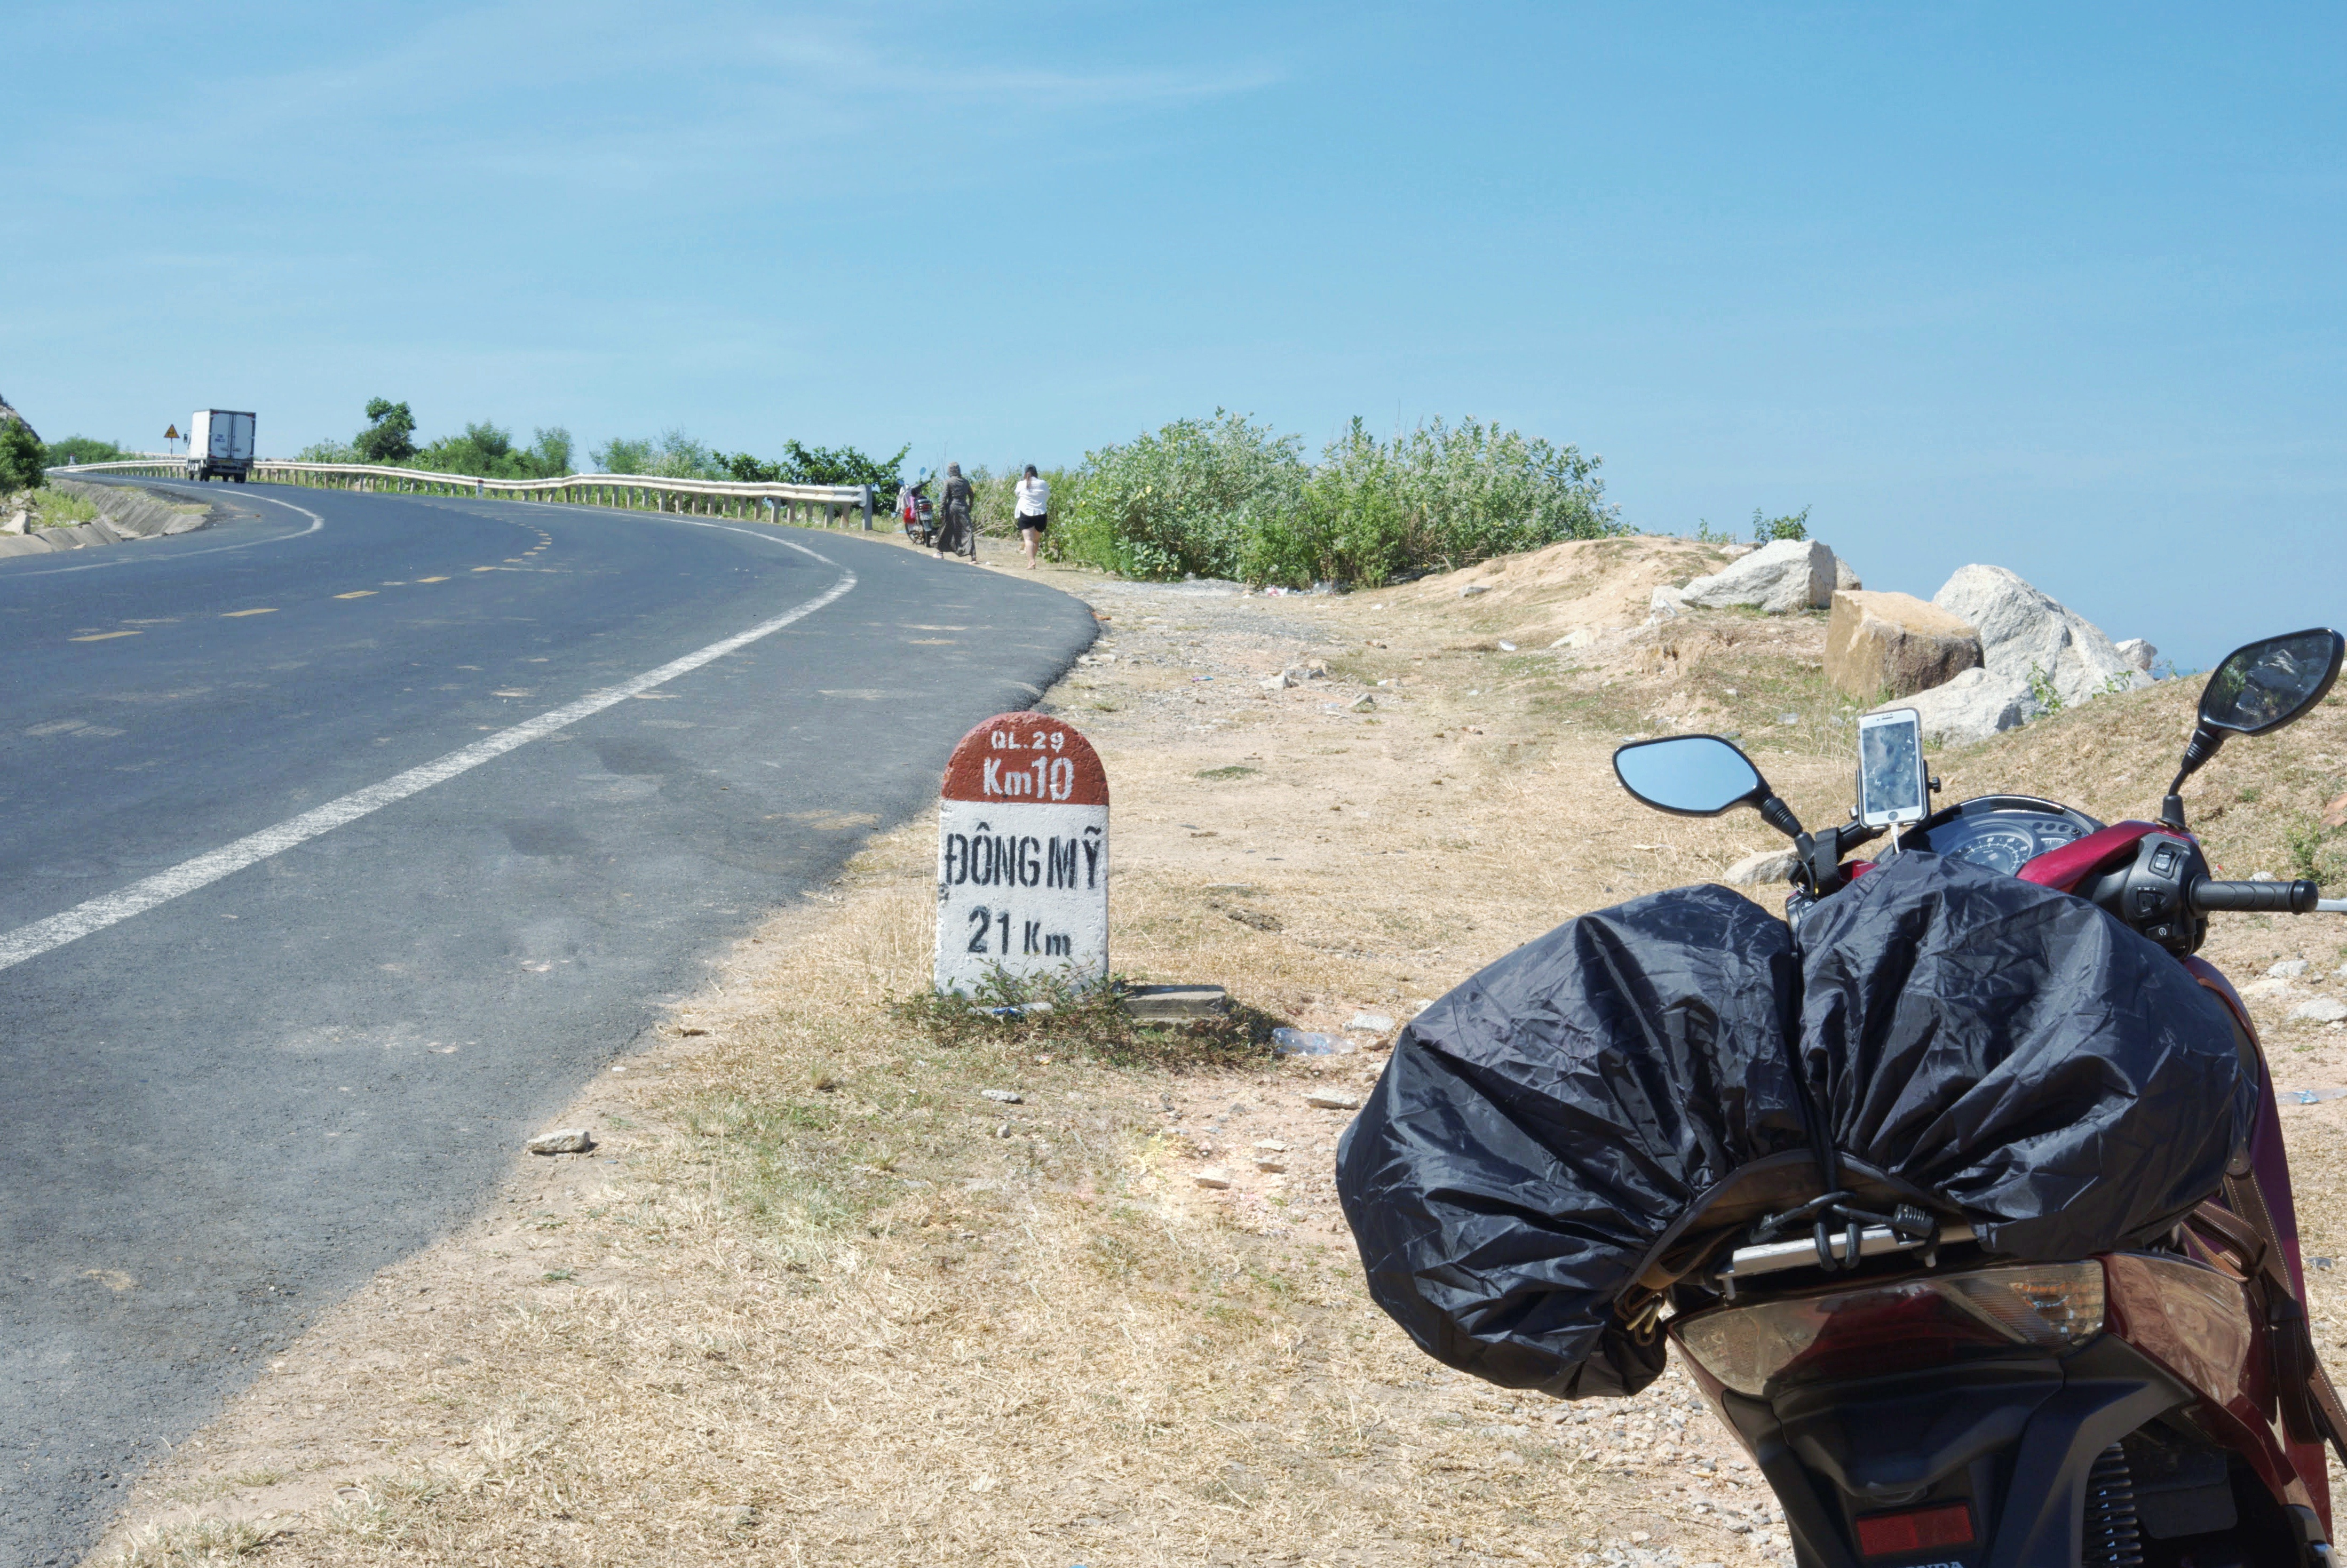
(1297, 1042)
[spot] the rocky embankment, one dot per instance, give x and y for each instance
(123, 514)
(1987, 653)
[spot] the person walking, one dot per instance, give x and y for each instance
(957, 533)
(1034, 512)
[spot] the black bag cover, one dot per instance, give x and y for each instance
(1539, 1128)
(2065, 1082)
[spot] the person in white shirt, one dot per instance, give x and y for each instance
(1034, 512)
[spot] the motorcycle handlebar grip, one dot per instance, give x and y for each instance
(2211, 897)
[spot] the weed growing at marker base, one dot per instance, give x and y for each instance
(1088, 1024)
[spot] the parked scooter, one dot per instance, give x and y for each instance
(1916, 1400)
(916, 512)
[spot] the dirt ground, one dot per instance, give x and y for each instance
(814, 1298)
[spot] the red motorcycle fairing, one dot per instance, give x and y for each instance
(2269, 1164)
(2063, 869)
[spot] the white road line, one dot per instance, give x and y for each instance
(41, 935)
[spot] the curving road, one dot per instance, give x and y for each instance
(343, 840)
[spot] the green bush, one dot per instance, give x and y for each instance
(1186, 499)
(21, 457)
(84, 449)
(1228, 499)
(1769, 530)
(488, 452)
(675, 456)
(1435, 499)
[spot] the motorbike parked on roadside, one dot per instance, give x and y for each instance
(1916, 1394)
(916, 512)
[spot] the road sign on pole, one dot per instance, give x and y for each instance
(1022, 857)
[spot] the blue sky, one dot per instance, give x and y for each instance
(2057, 288)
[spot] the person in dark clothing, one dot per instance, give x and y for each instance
(957, 533)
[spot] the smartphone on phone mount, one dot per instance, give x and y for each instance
(1893, 789)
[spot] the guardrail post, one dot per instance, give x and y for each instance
(867, 509)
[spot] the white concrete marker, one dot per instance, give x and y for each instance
(1022, 856)
(31, 941)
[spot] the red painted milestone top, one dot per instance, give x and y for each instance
(1026, 758)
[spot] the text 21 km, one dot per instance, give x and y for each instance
(1035, 939)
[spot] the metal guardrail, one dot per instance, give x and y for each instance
(824, 505)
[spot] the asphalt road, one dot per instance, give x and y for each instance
(231, 1091)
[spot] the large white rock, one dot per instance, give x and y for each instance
(1846, 580)
(1973, 706)
(2022, 630)
(2136, 652)
(1761, 868)
(1780, 577)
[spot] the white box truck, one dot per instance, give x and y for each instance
(220, 445)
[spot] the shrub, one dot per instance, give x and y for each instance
(21, 457)
(1228, 499)
(488, 451)
(1435, 499)
(83, 449)
(675, 456)
(1769, 530)
(1186, 499)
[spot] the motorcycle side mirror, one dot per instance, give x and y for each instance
(2259, 688)
(1699, 775)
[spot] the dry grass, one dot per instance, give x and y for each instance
(828, 1304)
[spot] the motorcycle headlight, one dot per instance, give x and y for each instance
(1901, 1325)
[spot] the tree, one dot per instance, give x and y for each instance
(551, 452)
(622, 455)
(803, 464)
(390, 435)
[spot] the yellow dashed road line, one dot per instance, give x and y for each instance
(271, 609)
